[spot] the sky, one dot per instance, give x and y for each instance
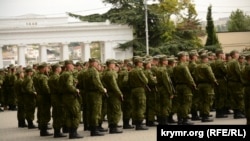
(12, 8)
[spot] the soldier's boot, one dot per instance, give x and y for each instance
(44, 132)
(86, 127)
(171, 119)
(22, 124)
(101, 129)
(186, 122)
(161, 120)
(126, 124)
(248, 121)
(65, 129)
(113, 129)
(220, 114)
(151, 123)
(238, 114)
(58, 134)
(206, 118)
(73, 134)
(195, 115)
(31, 125)
(180, 120)
(140, 126)
(95, 132)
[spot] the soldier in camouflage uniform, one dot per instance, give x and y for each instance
(29, 97)
(184, 85)
(115, 97)
(150, 94)
(56, 100)
(43, 98)
(127, 101)
(205, 80)
(246, 76)
(165, 91)
(1, 89)
(20, 99)
(220, 72)
(235, 87)
(137, 82)
(70, 95)
(95, 92)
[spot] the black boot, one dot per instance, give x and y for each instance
(186, 122)
(126, 124)
(22, 124)
(65, 129)
(114, 130)
(151, 123)
(44, 132)
(73, 134)
(206, 118)
(101, 129)
(31, 125)
(195, 115)
(220, 114)
(95, 132)
(238, 114)
(180, 120)
(58, 134)
(139, 126)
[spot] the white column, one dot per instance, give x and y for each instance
(21, 55)
(85, 51)
(107, 51)
(64, 52)
(1, 56)
(43, 53)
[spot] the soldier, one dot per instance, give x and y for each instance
(70, 95)
(235, 87)
(150, 94)
(56, 100)
(95, 92)
(195, 98)
(20, 99)
(9, 95)
(137, 82)
(246, 76)
(184, 85)
(220, 72)
(127, 101)
(205, 80)
(30, 96)
(115, 97)
(43, 98)
(165, 91)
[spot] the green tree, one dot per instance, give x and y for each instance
(212, 40)
(238, 21)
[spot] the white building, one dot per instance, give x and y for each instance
(30, 29)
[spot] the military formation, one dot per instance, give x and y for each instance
(149, 88)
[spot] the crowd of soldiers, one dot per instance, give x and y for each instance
(150, 88)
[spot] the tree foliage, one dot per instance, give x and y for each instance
(238, 21)
(212, 39)
(164, 33)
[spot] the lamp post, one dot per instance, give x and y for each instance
(146, 26)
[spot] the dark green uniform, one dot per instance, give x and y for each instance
(184, 84)
(205, 80)
(29, 100)
(246, 76)
(1, 88)
(95, 91)
(114, 99)
(137, 82)
(235, 87)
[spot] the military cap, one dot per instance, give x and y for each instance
(66, 62)
(78, 63)
(19, 71)
(219, 51)
(11, 66)
(233, 52)
(28, 69)
(126, 60)
(241, 57)
(54, 66)
(91, 60)
(138, 59)
(171, 60)
(110, 61)
(147, 61)
(182, 53)
(130, 64)
(42, 65)
(163, 58)
(1, 70)
(203, 56)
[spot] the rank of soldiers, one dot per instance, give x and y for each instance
(151, 88)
